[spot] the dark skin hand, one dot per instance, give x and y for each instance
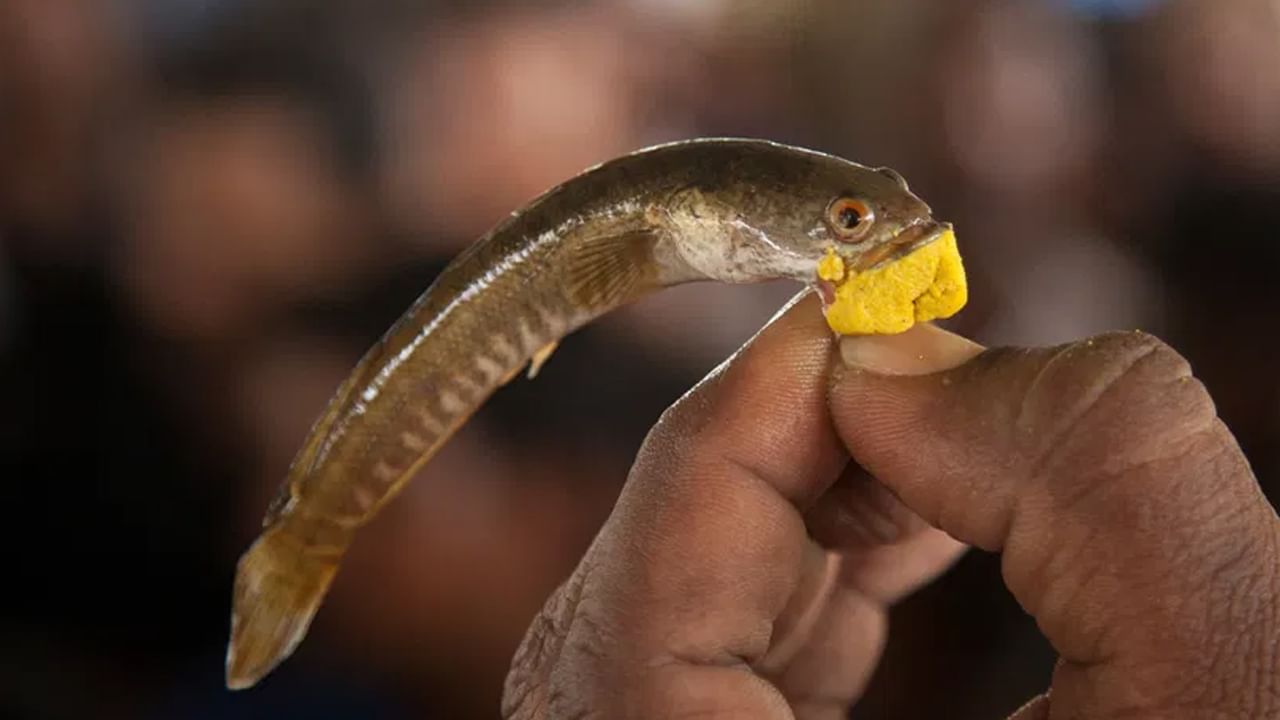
(747, 569)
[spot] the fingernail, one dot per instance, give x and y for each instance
(921, 350)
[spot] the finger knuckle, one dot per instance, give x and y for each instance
(1268, 652)
(1152, 550)
(1133, 363)
(1231, 646)
(1246, 657)
(525, 693)
(1116, 398)
(559, 631)
(1118, 438)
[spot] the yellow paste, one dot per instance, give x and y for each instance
(831, 267)
(925, 285)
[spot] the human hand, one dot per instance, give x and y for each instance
(748, 566)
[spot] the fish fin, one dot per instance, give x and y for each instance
(278, 589)
(606, 271)
(540, 358)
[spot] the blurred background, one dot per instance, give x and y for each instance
(210, 208)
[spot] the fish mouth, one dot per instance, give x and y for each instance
(908, 240)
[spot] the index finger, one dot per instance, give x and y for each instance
(715, 498)
(691, 577)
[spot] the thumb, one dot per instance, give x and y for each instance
(1130, 524)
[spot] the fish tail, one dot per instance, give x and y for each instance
(278, 589)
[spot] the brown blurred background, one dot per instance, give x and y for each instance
(210, 208)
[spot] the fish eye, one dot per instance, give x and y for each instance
(850, 218)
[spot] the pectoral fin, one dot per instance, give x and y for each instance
(606, 271)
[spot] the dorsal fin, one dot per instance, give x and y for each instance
(606, 271)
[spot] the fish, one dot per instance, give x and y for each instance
(729, 210)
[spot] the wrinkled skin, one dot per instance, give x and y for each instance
(746, 570)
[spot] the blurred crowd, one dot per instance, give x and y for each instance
(210, 208)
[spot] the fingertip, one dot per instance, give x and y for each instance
(923, 349)
(876, 394)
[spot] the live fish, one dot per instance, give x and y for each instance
(728, 210)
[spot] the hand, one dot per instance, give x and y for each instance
(747, 567)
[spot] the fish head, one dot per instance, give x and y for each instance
(873, 249)
(757, 210)
(851, 219)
